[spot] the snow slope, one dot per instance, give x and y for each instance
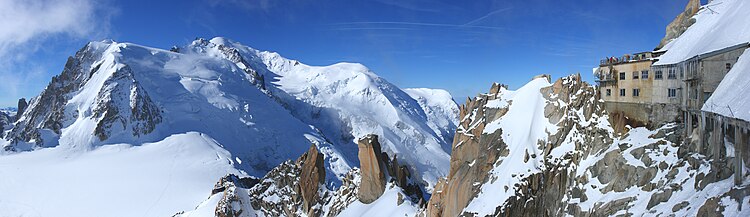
(523, 126)
(153, 179)
(725, 100)
(386, 205)
(720, 24)
(440, 108)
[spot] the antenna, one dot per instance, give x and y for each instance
(708, 6)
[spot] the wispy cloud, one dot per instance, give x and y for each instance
(420, 24)
(488, 15)
(374, 28)
(26, 26)
(22, 22)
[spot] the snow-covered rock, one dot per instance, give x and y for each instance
(549, 150)
(282, 193)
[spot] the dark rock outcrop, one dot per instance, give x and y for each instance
(232, 180)
(5, 119)
(22, 104)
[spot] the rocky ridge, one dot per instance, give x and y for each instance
(297, 188)
(680, 23)
(579, 167)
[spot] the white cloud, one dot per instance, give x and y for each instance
(27, 25)
(22, 21)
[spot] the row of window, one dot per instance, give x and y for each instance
(657, 75)
(671, 92)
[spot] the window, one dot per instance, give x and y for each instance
(636, 92)
(658, 74)
(671, 93)
(635, 75)
(693, 93)
(671, 73)
(622, 92)
(644, 74)
(622, 76)
(609, 92)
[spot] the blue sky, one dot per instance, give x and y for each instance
(460, 46)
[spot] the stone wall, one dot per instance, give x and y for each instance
(636, 114)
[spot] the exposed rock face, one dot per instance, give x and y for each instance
(472, 157)
(120, 105)
(475, 153)
(372, 169)
(583, 169)
(313, 175)
(291, 189)
(681, 23)
(46, 111)
(141, 115)
(277, 194)
(21, 106)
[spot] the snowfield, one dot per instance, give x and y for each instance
(152, 179)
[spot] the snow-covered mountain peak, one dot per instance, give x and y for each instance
(260, 108)
(364, 102)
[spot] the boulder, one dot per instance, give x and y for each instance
(373, 174)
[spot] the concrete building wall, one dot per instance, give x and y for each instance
(705, 72)
(714, 68)
(661, 86)
(628, 83)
